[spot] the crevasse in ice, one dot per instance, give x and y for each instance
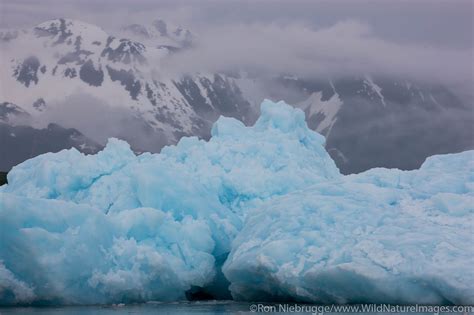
(267, 201)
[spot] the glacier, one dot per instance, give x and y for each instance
(260, 210)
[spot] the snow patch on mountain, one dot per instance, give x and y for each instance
(375, 88)
(314, 105)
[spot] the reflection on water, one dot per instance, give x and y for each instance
(182, 308)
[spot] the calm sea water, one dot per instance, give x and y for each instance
(178, 308)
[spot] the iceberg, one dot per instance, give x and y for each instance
(384, 236)
(261, 211)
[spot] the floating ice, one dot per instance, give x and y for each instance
(115, 227)
(384, 236)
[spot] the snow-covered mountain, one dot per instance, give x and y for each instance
(58, 58)
(368, 121)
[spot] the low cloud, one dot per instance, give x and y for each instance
(346, 48)
(99, 121)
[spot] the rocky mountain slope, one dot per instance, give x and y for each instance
(385, 122)
(19, 142)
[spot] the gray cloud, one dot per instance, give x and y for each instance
(346, 48)
(434, 22)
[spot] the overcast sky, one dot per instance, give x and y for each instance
(436, 22)
(420, 38)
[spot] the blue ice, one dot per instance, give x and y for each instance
(262, 210)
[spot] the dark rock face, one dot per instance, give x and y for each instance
(20, 143)
(161, 27)
(9, 111)
(127, 52)
(400, 135)
(55, 29)
(39, 104)
(191, 92)
(27, 72)
(70, 73)
(91, 75)
(398, 128)
(127, 79)
(224, 96)
(78, 56)
(77, 42)
(227, 98)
